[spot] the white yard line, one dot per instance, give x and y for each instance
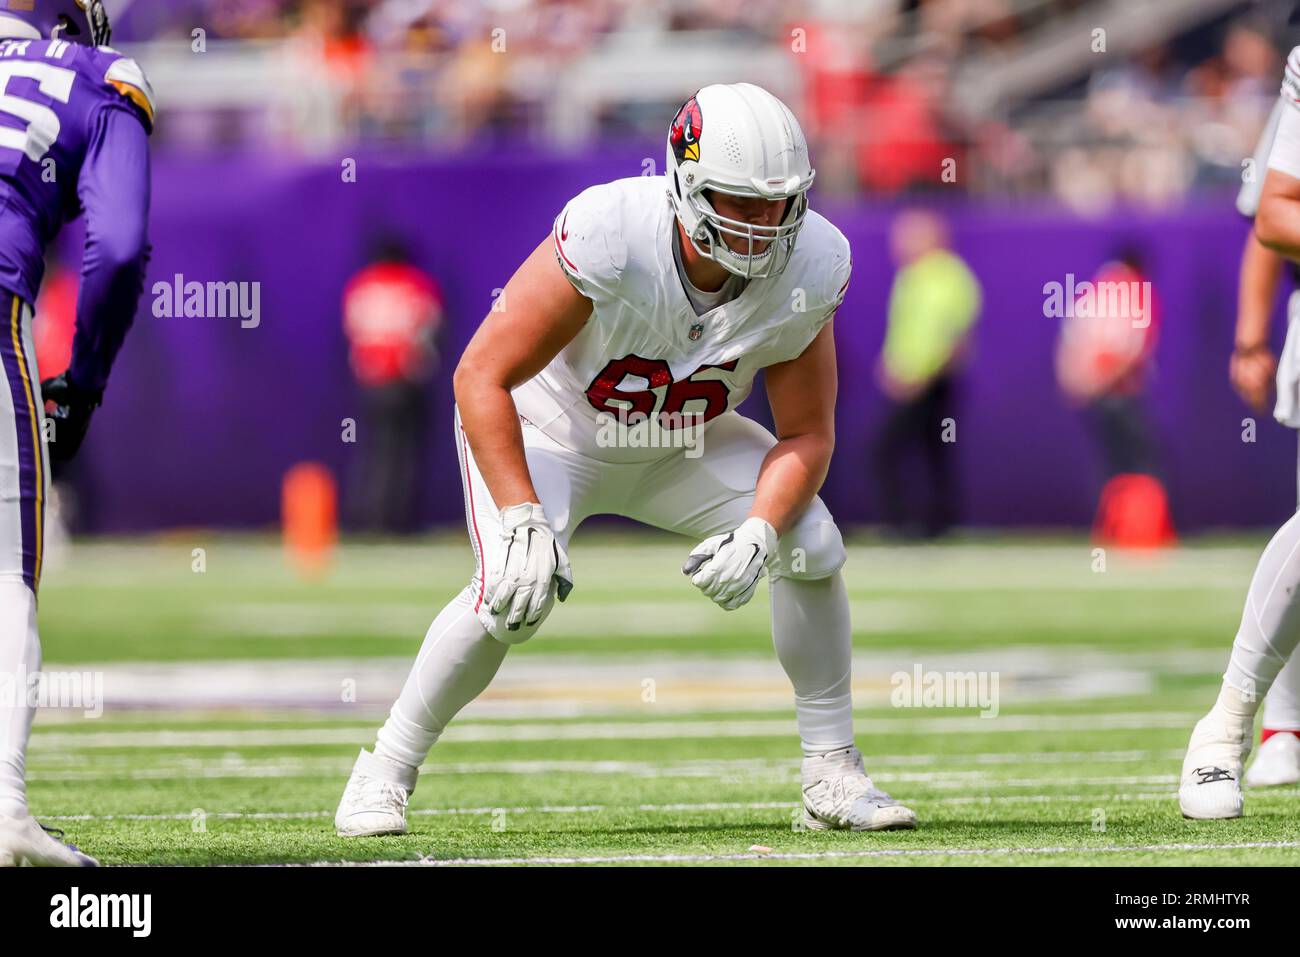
(1164, 793)
(110, 767)
(98, 737)
(811, 855)
(938, 780)
(585, 685)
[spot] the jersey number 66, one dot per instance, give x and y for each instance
(604, 392)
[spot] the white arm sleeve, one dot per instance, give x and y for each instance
(1253, 185)
(1285, 155)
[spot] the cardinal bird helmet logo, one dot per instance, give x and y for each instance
(685, 132)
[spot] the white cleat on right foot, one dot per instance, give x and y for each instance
(1210, 788)
(838, 795)
(1278, 762)
(24, 843)
(374, 802)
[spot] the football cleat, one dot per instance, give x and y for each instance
(1211, 778)
(1278, 761)
(374, 802)
(25, 843)
(838, 795)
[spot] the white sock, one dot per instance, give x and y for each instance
(456, 662)
(812, 635)
(1282, 706)
(1270, 623)
(20, 655)
(1235, 705)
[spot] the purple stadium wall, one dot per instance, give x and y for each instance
(202, 416)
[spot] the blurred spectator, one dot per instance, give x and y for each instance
(1103, 359)
(72, 483)
(904, 140)
(933, 306)
(325, 64)
(881, 95)
(392, 312)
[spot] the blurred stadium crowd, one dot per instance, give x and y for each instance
(1095, 101)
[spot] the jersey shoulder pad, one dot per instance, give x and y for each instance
(826, 260)
(123, 77)
(1291, 79)
(591, 241)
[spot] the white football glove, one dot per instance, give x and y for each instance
(533, 568)
(727, 568)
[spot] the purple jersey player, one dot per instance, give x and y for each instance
(75, 118)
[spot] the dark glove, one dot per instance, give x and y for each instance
(71, 412)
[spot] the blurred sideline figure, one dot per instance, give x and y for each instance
(392, 313)
(640, 320)
(53, 328)
(91, 112)
(933, 306)
(1270, 624)
(1103, 357)
(1103, 360)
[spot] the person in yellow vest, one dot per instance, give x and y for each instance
(933, 307)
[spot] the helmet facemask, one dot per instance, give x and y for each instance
(88, 24)
(101, 34)
(72, 21)
(709, 237)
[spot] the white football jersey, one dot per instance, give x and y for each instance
(1252, 186)
(645, 358)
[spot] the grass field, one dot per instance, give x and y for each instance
(643, 724)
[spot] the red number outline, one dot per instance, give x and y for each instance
(605, 387)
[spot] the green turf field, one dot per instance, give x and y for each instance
(643, 725)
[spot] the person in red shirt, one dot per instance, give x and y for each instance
(1104, 357)
(392, 313)
(56, 319)
(71, 503)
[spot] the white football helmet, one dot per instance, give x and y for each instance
(738, 139)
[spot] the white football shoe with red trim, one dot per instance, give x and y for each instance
(1278, 761)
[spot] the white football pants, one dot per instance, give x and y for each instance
(24, 484)
(697, 497)
(1282, 705)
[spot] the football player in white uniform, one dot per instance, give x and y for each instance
(621, 349)
(1254, 371)
(1270, 624)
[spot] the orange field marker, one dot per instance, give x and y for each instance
(309, 516)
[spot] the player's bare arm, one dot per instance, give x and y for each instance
(801, 393)
(1277, 224)
(1253, 364)
(540, 315)
(727, 568)
(542, 312)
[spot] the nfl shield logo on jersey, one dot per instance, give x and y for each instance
(696, 330)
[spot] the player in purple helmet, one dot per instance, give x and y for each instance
(81, 21)
(75, 118)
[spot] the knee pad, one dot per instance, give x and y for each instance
(811, 550)
(495, 625)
